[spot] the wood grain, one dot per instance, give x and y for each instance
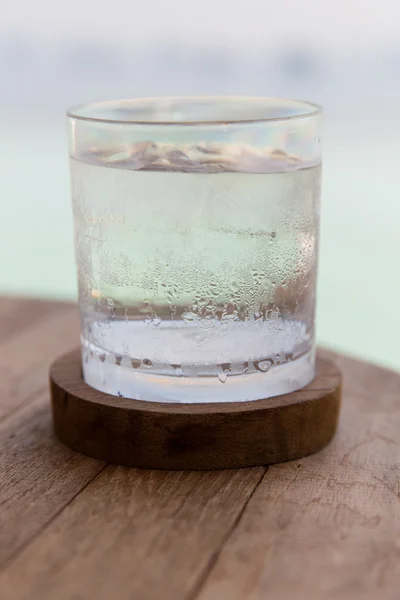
(328, 526)
(16, 314)
(193, 436)
(38, 476)
(133, 534)
(146, 513)
(322, 528)
(25, 356)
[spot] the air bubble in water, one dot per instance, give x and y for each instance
(263, 365)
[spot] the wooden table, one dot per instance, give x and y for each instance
(73, 528)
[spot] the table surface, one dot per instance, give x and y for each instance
(73, 528)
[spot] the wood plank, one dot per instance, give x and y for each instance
(327, 526)
(324, 527)
(26, 356)
(125, 522)
(38, 476)
(133, 534)
(16, 314)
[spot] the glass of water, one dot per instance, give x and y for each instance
(196, 232)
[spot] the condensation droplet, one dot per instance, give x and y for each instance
(206, 323)
(225, 370)
(222, 377)
(280, 358)
(146, 362)
(178, 370)
(153, 321)
(263, 365)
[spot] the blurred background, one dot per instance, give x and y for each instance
(344, 55)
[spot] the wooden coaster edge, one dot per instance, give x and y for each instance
(192, 436)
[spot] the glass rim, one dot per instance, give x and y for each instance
(81, 112)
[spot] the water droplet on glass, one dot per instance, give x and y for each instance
(206, 323)
(280, 358)
(188, 316)
(230, 308)
(225, 370)
(222, 377)
(153, 322)
(146, 362)
(178, 370)
(263, 365)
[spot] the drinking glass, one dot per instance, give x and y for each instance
(196, 230)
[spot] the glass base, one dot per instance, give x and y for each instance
(121, 380)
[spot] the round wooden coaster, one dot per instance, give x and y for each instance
(193, 436)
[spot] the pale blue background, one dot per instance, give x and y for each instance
(345, 56)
